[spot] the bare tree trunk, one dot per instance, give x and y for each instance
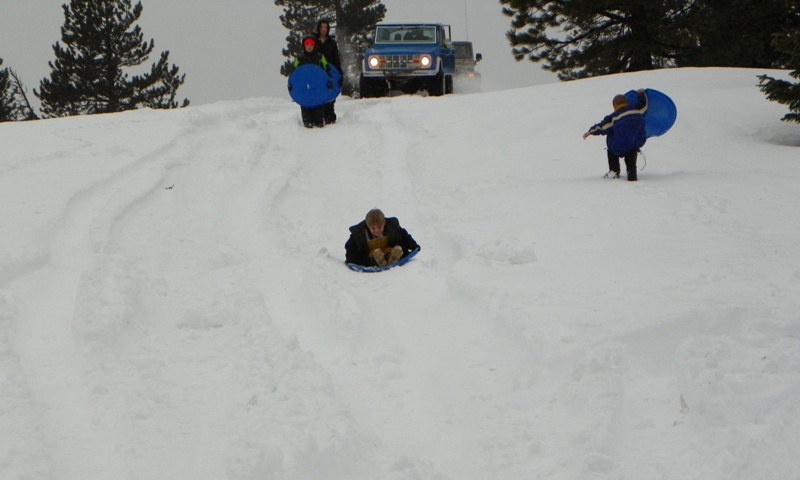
(346, 51)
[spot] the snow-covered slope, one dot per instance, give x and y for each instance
(173, 303)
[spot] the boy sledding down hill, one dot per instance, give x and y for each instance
(378, 241)
(314, 116)
(625, 133)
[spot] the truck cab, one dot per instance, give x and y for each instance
(409, 57)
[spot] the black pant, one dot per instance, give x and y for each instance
(330, 114)
(630, 162)
(313, 117)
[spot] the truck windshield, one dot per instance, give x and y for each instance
(405, 34)
(463, 50)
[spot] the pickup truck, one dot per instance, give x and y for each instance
(467, 79)
(409, 57)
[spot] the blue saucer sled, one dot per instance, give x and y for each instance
(309, 85)
(661, 111)
(402, 261)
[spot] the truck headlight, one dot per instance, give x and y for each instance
(425, 61)
(373, 61)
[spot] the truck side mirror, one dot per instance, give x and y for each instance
(478, 57)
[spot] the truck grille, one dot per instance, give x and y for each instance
(399, 62)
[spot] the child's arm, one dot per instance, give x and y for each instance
(602, 128)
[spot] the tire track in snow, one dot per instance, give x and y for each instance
(397, 178)
(50, 352)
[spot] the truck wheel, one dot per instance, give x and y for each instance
(436, 85)
(448, 84)
(372, 87)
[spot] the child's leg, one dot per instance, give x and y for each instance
(319, 116)
(330, 113)
(613, 162)
(308, 118)
(630, 163)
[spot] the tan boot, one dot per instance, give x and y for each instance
(397, 252)
(378, 256)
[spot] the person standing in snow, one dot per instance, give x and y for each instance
(326, 45)
(378, 241)
(625, 133)
(314, 116)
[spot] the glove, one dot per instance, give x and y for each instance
(330, 84)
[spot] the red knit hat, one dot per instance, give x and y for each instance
(308, 40)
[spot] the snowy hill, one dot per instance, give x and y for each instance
(173, 303)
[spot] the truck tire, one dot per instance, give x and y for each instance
(437, 84)
(372, 87)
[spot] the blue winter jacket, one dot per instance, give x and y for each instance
(624, 129)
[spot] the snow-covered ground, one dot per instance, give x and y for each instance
(173, 303)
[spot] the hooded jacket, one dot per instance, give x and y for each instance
(624, 129)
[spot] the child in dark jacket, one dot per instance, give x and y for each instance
(625, 133)
(378, 241)
(315, 116)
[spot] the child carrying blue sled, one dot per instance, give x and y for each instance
(305, 87)
(625, 133)
(638, 115)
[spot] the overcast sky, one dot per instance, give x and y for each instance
(231, 49)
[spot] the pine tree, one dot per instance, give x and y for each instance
(22, 106)
(356, 25)
(734, 33)
(6, 96)
(584, 38)
(14, 104)
(354, 20)
(100, 40)
(787, 42)
(300, 18)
